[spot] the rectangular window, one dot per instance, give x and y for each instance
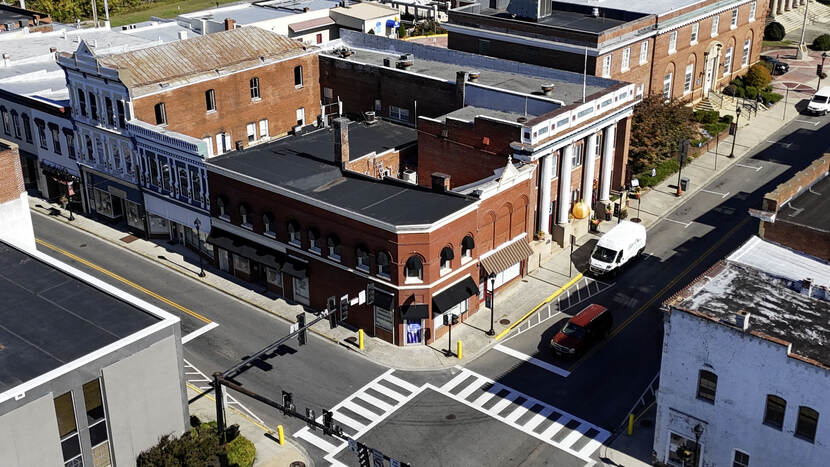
(93, 106)
(734, 23)
(687, 81)
(263, 128)
(398, 113)
(68, 430)
(695, 28)
(298, 76)
(241, 264)
(715, 25)
(752, 7)
(122, 115)
(255, 89)
(707, 385)
(273, 277)
(97, 422)
(626, 58)
(644, 52)
(301, 116)
(82, 102)
(27, 128)
(161, 114)
(673, 41)
(15, 124)
(667, 86)
(6, 121)
(741, 459)
(56, 138)
(807, 423)
(727, 61)
(210, 101)
(606, 66)
(70, 142)
(745, 56)
(251, 127)
(41, 133)
(577, 159)
(320, 38)
(110, 111)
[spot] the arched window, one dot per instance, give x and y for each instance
(467, 246)
(446, 259)
(196, 183)
(294, 233)
(807, 423)
(707, 385)
(243, 213)
(333, 244)
(414, 269)
(774, 413)
(267, 220)
(383, 264)
(314, 240)
(220, 205)
(362, 256)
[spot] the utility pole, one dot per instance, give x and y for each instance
(802, 47)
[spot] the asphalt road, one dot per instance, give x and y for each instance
(504, 399)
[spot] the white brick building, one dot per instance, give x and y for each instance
(746, 354)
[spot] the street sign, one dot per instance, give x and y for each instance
(293, 328)
(394, 462)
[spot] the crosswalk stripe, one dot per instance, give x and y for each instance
(348, 421)
(389, 392)
(478, 383)
(375, 401)
(482, 399)
(589, 448)
(401, 383)
(455, 381)
(574, 436)
(538, 418)
(500, 405)
(365, 413)
(306, 435)
(555, 427)
(516, 414)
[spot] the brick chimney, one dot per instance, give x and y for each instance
(460, 80)
(229, 24)
(341, 140)
(16, 224)
(440, 182)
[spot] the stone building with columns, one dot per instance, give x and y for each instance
(681, 48)
(147, 119)
(779, 7)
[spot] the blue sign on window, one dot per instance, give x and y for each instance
(413, 333)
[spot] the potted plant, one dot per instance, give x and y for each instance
(623, 213)
(608, 212)
(540, 235)
(595, 224)
(635, 193)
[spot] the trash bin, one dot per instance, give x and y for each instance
(684, 184)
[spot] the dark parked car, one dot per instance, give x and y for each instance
(778, 67)
(586, 327)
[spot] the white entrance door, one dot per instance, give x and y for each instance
(707, 85)
(223, 260)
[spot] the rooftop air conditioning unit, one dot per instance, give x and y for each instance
(410, 176)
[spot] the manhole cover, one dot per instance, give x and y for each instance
(297, 464)
(450, 416)
(504, 322)
(646, 423)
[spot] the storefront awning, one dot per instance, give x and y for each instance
(384, 299)
(295, 268)
(508, 256)
(451, 297)
(415, 311)
(245, 248)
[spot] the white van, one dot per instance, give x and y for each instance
(820, 103)
(625, 241)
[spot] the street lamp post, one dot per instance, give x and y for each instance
(802, 47)
(492, 277)
(197, 223)
(820, 70)
(735, 133)
(698, 430)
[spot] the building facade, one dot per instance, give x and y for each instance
(683, 50)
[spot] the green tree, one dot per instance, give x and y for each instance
(657, 127)
(198, 447)
(774, 31)
(822, 42)
(758, 76)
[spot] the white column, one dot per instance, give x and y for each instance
(545, 179)
(607, 162)
(565, 184)
(588, 170)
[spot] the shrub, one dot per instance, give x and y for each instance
(767, 65)
(663, 170)
(197, 447)
(738, 82)
(715, 128)
(727, 119)
(241, 452)
(740, 92)
(401, 31)
(706, 116)
(822, 42)
(730, 90)
(774, 31)
(751, 92)
(770, 97)
(758, 76)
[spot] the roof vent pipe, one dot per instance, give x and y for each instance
(473, 76)
(547, 89)
(742, 319)
(595, 12)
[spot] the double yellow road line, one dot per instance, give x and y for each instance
(123, 280)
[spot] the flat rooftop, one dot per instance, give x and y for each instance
(573, 20)
(469, 113)
(657, 7)
(249, 13)
(811, 208)
(765, 279)
(49, 318)
(304, 164)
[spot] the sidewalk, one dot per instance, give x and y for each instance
(268, 451)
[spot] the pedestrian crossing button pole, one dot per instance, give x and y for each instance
(735, 131)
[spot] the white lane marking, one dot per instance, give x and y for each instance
(574, 436)
(455, 381)
(556, 426)
(472, 388)
(482, 399)
(722, 195)
(684, 224)
(809, 122)
(401, 383)
(502, 404)
(532, 360)
(348, 420)
(229, 399)
(539, 418)
(358, 409)
(755, 168)
(375, 401)
(199, 332)
(521, 410)
(315, 440)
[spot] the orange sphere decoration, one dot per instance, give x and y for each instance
(581, 210)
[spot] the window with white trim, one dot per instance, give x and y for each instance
(97, 422)
(210, 101)
(687, 80)
(734, 23)
(243, 213)
(220, 206)
(606, 66)
(209, 145)
(626, 59)
(715, 25)
(255, 96)
(752, 7)
(727, 61)
(383, 264)
(745, 56)
(447, 256)
(298, 76)
(644, 52)
(333, 244)
(577, 159)
(362, 258)
(695, 28)
(301, 116)
(294, 234)
(267, 222)
(414, 269)
(161, 114)
(313, 241)
(68, 430)
(251, 129)
(467, 245)
(673, 42)
(667, 81)
(740, 459)
(263, 128)
(398, 113)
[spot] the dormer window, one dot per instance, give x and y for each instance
(333, 244)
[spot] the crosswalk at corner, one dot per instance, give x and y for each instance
(525, 413)
(198, 380)
(360, 412)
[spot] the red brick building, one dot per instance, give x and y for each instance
(683, 49)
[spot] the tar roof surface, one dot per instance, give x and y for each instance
(304, 165)
(248, 13)
(566, 19)
(658, 7)
(49, 318)
(811, 208)
(772, 298)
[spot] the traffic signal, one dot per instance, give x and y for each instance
(302, 335)
(287, 402)
(328, 421)
(331, 303)
(332, 318)
(309, 414)
(454, 319)
(370, 293)
(446, 320)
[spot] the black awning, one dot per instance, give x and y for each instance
(295, 268)
(246, 248)
(451, 297)
(415, 311)
(384, 299)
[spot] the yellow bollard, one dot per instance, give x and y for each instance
(630, 424)
(280, 435)
(459, 349)
(360, 339)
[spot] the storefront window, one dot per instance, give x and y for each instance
(103, 203)
(241, 264)
(273, 276)
(384, 319)
(134, 215)
(158, 225)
